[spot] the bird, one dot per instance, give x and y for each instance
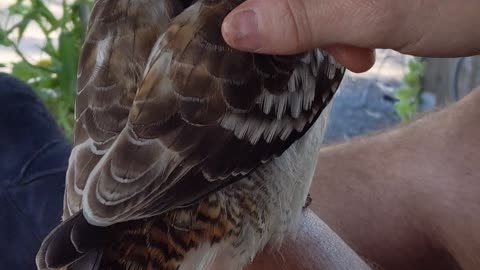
(187, 152)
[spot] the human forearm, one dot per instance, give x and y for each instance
(315, 247)
(400, 197)
(403, 199)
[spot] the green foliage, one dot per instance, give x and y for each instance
(408, 97)
(53, 78)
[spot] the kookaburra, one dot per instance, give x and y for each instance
(187, 152)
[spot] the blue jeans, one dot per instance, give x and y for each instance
(33, 162)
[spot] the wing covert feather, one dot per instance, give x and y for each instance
(118, 42)
(167, 113)
(204, 115)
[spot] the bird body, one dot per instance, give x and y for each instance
(186, 151)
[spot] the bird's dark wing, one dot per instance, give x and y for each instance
(161, 129)
(119, 39)
(204, 115)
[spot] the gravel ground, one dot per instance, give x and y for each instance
(360, 107)
(364, 103)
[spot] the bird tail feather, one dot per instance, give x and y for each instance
(73, 243)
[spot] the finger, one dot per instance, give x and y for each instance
(292, 26)
(354, 59)
(427, 28)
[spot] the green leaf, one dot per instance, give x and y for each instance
(22, 25)
(4, 40)
(68, 52)
(49, 49)
(19, 8)
(404, 93)
(49, 83)
(26, 72)
(411, 79)
(408, 97)
(45, 12)
(404, 110)
(52, 78)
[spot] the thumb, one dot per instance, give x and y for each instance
(292, 26)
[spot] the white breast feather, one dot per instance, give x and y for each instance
(289, 177)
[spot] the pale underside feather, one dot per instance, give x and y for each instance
(158, 110)
(289, 179)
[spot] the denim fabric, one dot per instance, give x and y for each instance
(33, 161)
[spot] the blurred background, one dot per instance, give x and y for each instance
(40, 41)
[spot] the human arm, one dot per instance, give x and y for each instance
(315, 247)
(407, 198)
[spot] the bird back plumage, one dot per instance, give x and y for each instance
(174, 132)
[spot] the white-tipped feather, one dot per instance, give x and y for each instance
(103, 47)
(253, 128)
(288, 179)
(281, 105)
(295, 102)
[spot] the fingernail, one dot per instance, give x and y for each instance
(241, 30)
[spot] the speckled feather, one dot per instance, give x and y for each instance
(186, 150)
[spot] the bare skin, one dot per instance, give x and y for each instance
(405, 199)
(410, 198)
(352, 29)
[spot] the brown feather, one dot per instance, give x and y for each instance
(180, 94)
(167, 114)
(118, 42)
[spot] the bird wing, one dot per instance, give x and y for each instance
(202, 116)
(120, 36)
(167, 113)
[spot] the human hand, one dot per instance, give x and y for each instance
(351, 29)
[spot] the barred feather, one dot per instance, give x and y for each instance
(186, 151)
